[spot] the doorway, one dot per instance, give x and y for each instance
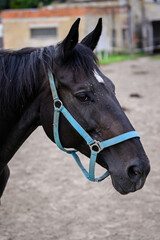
(156, 36)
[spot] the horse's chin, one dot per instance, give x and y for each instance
(126, 186)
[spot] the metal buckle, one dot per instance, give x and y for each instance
(58, 104)
(95, 146)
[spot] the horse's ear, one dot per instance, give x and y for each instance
(67, 45)
(92, 38)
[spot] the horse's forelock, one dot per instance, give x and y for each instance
(82, 58)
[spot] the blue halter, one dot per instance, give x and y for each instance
(95, 146)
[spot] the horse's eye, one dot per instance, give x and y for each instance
(83, 97)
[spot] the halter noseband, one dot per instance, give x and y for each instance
(95, 146)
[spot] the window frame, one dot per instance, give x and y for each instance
(43, 35)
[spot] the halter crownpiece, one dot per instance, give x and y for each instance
(95, 146)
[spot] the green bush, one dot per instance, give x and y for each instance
(4, 4)
(28, 3)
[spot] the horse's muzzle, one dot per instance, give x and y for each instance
(133, 178)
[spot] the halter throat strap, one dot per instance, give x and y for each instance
(95, 146)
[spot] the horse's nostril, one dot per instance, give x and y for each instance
(134, 173)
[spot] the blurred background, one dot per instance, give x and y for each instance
(47, 198)
(129, 26)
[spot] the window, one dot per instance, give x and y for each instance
(1, 42)
(43, 32)
(113, 38)
(125, 36)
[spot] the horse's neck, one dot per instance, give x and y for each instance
(18, 92)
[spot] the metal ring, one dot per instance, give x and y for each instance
(58, 105)
(95, 147)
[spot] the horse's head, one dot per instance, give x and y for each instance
(90, 97)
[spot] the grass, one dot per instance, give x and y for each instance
(156, 57)
(120, 57)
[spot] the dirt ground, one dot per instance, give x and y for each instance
(47, 198)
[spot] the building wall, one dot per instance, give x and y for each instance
(144, 13)
(17, 31)
(17, 24)
(152, 11)
(151, 28)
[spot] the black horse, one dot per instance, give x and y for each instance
(26, 103)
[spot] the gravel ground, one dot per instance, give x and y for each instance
(47, 198)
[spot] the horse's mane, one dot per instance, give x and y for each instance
(19, 72)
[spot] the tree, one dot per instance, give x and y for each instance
(28, 3)
(4, 4)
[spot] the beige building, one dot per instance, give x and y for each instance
(46, 26)
(151, 26)
(128, 25)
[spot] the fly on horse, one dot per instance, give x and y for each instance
(27, 77)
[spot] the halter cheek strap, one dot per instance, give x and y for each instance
(95, 146)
